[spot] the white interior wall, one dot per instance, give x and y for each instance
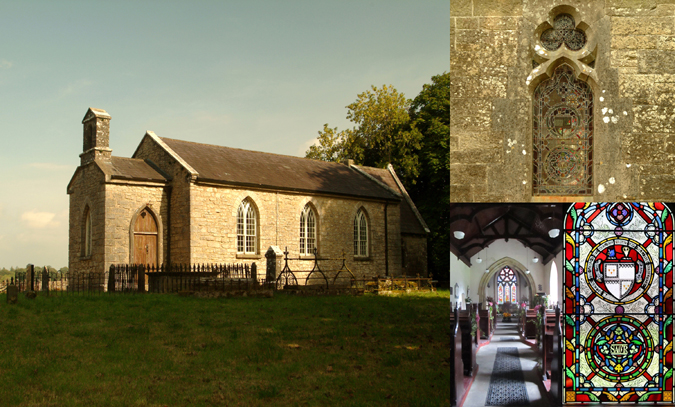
(469, 277)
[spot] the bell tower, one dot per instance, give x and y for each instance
(96, 136)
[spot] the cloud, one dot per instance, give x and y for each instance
(305, 146)
(50, 166)
(39, 220)
(5, 64)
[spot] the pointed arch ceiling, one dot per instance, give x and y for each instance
(527, 223)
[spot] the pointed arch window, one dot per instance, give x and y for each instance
(307, 231)
(360, 234)
(86, 233)
(247, 228)
(562, 150)
(507, 283)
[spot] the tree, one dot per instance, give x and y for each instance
(430, 115)
(381, 134)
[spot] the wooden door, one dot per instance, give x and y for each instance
(145, 239)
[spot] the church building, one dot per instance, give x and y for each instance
(183, 202)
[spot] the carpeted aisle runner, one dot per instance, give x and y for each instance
(507, 387)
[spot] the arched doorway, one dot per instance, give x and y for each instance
(145, 238)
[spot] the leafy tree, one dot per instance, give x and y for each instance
(381, 134)
(412, 135)
(430, 115)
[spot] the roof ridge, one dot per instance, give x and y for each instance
(252, 151)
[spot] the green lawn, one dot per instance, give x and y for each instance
(161, 349)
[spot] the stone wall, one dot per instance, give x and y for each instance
(180, 197)
(86, 190)
(214, 216)
(123, 201)
(496, 64)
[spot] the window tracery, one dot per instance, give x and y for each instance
(563, 31)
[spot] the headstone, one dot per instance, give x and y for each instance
(275, 263)
(254, 274)
(45, 280)
(12, 293)
(30, 272)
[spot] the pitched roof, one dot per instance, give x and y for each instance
(129, 168)
(254, 168)
(411, 220)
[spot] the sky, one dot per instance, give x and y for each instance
(257, 75)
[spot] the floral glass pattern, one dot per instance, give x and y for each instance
(618, 306)
(563, 135)
(506, 286)
(563, 31)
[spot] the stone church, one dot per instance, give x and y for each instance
(183, 202)
(556, 101)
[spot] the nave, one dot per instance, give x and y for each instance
(514, 381)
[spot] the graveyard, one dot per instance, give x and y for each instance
(167, 349)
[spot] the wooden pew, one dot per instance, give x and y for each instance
(550, 321)
(485, 324)
(456, 363)
(556, 361)
(530, 327)
(468, 344)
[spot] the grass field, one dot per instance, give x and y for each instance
(166, 350)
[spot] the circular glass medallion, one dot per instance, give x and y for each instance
(619, 270)
(562, 163)
(562, 121)
(619, 348)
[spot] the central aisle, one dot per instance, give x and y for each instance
(506, 335)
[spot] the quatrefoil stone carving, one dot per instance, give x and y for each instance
(563, 31)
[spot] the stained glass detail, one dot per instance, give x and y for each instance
(563, 31)
(618, 305)
(506, 283)
(563, 135)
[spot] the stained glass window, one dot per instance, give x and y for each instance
(618, 305)
(563, 31)
(506, 286)
(562, 151)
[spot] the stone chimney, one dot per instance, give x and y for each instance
(348, 162)
(96, 137)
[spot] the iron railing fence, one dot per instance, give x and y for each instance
(134, 278)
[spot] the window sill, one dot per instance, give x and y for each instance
(308, 256)
(84, 258)
(248, 256)
(362, 258)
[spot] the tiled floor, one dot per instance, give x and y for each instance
(486, 359)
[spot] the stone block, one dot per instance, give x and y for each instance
(665, 42)
(466, 23)
(500, 23)
(469, 173)
(624, 58)
(656, 61)
(653, 119)
(498, 8)
(459, 192)
(642, 25)
(639, 88)
(461, 8)
(636, 41)
(640, 148)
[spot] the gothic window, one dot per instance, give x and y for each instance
(563, 135)
(506, 286)
(618, 306)
(307, 231)
(360, 234)
(563, 31)
(86, 233)
(247, 228)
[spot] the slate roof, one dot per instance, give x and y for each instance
(254, 168)
(130, 168)
(411, 220)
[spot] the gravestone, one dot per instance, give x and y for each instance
(45, 280)
(30, 274)
(12, 293)
(254, 274)
(275, 263)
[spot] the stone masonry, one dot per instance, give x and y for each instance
(496, 63)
